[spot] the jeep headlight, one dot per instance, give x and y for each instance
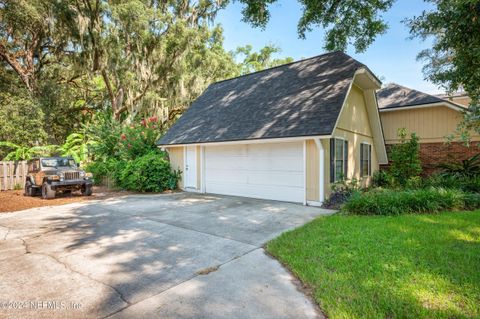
(54, 177)
(82, 174)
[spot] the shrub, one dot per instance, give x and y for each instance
(464, 183)
(405, 159)
(381, 178)
(341, 192)
(148, 173)
(102, 170)
(469, 167)
(391, 202)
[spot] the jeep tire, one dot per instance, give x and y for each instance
(29, 190)
(87, 190)
(47, 191)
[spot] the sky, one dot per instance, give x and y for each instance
(392, 56)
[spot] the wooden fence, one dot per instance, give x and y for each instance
(12, 174)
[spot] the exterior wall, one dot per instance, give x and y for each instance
(431, 124)
(199, 168)
(432, 154)
(313, 171)
(354, 126)
(462, 100)
(177, 160)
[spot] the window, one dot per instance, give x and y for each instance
(338, 159)
(365, 159)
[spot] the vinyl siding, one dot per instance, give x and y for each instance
(177, 160)
(312, 171)
(431, 124)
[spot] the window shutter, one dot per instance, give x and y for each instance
(361, 159)
(345, 159)
(332, 160)
(369, 160)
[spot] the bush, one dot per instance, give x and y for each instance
(148, 173)
(392, 202)
(464, 183)
(381, 178)
(102, 170)
(405, 159)
(341, 192)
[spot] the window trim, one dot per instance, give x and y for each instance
(369, 159)
(344, 159)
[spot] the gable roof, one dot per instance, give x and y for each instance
(302, 98)
(395, 96)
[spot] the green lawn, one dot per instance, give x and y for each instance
(412, 266)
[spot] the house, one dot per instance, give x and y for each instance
(432, 118)
(284, 133)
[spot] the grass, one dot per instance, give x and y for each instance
(410, 266)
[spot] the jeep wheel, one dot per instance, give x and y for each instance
(47, 191)
(87, 190)
(29, 191)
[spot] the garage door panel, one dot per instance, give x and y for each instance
(270, 171)
(289, 194)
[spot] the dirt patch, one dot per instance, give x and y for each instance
(11, 201)
(208, 270)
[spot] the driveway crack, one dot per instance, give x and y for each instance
(218, 266)
(67, 266)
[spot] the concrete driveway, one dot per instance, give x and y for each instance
(150, 256)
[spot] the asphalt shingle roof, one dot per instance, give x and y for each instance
(394, 95)
(302, 98)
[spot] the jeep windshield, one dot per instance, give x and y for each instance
(58, 162)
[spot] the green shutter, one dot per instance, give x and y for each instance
(332, 160)
(369, 160)
(361, 159)
(345, 159)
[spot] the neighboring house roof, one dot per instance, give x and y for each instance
(395, 96)
(302, 98)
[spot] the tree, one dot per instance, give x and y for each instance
(21, 120)
(453, 62)
(405, 158)
(356, 22)
(257, 61)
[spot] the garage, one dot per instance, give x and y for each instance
(268, 170)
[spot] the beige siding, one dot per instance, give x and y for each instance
(354, 141)
(354, 116)
(177, 160)
(312, 171)
(354, 126)
(432, 124)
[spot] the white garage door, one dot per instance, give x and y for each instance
(269, 171)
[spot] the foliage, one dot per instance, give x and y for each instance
(257, 61)
(464, 183)
(405, 159)
(104, 132)
(395, 202)
(341, 192)
(17, 152)
(138, 139)
(469, 167)
(410, 266)
(381, 178)
(21, 120)
(76, 146)
(104, 169)
(148, 173)
(453, 60)
(346, 22)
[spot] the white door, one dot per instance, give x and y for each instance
(190, 167)
(268, 171)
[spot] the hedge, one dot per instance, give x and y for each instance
(394, 202)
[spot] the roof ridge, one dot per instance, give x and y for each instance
(283, 65)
